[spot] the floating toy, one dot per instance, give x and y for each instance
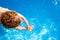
(30, 28)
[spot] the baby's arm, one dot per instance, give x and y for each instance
(26, 21)
(20, 28)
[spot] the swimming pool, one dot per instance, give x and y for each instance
(44, 15)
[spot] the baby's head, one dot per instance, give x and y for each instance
(10, 19)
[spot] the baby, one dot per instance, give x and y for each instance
(12, 19)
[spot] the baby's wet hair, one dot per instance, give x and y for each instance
(9, 20)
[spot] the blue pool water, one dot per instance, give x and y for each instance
(44, 15)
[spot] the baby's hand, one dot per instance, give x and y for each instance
(30, 27)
